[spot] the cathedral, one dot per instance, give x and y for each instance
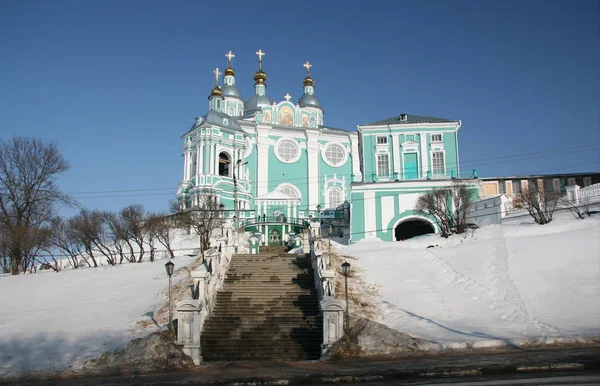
(276, 166)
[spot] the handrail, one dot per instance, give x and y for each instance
(274, 219)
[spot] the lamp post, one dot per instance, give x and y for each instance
(201, 229)
(319, 212)
(222, 215)
(329, 232)
(346, 272)
(169, 267)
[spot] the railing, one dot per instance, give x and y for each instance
(274, 219)
(208, 279)
(332, 309)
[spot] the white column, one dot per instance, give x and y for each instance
(370, 214)
(396, 154)
(211, 158)
(199, 151)
(289, 209)
(185, 165)
(313, 172)
(424, 155)
(263, 167)
(355, 159)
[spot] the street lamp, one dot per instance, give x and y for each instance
(222, 215)
(319, 211)
(346, 272)
(329, 232)
(169, 267)
(201, 229)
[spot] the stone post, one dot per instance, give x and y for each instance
(333, 321)
(188, 328)
(573, 193)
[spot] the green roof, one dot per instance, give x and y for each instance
(408, 119)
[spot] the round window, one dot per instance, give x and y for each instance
(334, 154)
(288, 151)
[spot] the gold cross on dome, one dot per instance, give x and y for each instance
(229, 56)
(288, 97)
(307, 66)
(217, 73)
(260, 55)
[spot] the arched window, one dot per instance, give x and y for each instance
(335, 197)
(224, 164)
(290, 190)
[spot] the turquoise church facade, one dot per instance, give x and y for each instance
(275, 166)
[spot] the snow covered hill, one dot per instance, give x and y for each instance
(55, 321)
(505, 283)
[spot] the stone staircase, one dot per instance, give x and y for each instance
(267, 309)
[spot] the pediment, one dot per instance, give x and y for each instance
(276, 195)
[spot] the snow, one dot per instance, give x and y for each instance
(58, 320)
(502, 284)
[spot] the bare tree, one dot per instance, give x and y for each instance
(539, 203)
(119, 236)
(573, 208)
(134, 218)
(65, 241)
(88, 228)
(203, 219)
(29, 198)
(462, 198)
(159, 226)
(436, 204)
(448, 207)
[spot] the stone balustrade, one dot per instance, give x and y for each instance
(332, 309)
(208, 279)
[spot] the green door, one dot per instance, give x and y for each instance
(411, 166)
(274, 237)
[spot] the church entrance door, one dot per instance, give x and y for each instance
(274, 237)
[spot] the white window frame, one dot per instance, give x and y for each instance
(290, 186)
(383, 137)
(443, 153)
(329, 191)
(327, 161)
(377, 155)
(276, 150)
(435, 134)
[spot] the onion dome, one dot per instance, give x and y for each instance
(216, 92)
(260, 77)
(255, 102)
(309, 100)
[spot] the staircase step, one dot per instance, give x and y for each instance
(268, 309)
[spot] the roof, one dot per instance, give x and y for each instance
(408, 119)
(555, 175)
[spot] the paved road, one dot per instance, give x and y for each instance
(481, 367)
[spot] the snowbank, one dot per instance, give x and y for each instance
(502, 284)
(55, 321)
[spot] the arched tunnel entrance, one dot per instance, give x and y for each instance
(411, 228)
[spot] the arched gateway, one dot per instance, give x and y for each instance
(413, 227)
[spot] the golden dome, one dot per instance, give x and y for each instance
(216, 92)
(260, 76)
(229, 71)
(308, 81)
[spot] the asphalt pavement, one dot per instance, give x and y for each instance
(475, 366)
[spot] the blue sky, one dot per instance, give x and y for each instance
(116, 83)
